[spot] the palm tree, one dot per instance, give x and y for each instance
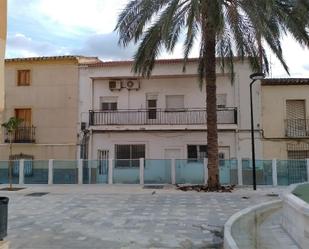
(11, 126)
(223, 29)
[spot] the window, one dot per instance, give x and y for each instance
(152, 106)
(128, 155)
(221, 100)
(25, 115)
(197, 152)
(108, 103)
(295, 115)
(175, 102)
(23, 77)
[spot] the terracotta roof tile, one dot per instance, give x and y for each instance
(82, 59)
(285, 81)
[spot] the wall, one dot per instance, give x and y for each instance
(53, 98)
(157, 142)
(3, 30)
(274, 115)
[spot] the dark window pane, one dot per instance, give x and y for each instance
(105, 106)
(152, 113)
(127, 153)
(203, 151)
(192, 152)
(152, 103)
(113, 106)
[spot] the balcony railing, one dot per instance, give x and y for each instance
(297, 127)
(160, 117)
(22, 135)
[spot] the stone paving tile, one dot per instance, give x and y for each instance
(72, 217)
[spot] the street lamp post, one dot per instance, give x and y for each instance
(254, 77)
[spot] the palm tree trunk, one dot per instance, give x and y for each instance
(211, 100)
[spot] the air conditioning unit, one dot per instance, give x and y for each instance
(115, 85)
(132, 84)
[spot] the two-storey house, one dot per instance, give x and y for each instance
(43, 93)
(3, 30)
(285, 118)
(126, 117)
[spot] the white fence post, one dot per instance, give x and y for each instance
(21, 171)
(110, 171)
(307, 160)
(50, 171)
(141, 170)
(80, 171)
(173, 171)
(274, 170)
(239, 171)
(205, 171)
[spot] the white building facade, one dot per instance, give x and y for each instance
(123, 116)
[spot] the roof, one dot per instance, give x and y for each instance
(285, 81)
(80, 59)
(130, 62)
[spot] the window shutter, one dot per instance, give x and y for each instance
(175, 101)
(221, 100)
(295, 109)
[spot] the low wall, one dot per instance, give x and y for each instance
(240, 231)
(295, 218)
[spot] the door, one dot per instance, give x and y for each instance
(24, 132)
(25, 115)
(102, 166)
(295, 115)
(224, 166)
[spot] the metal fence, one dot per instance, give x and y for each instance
(194, 116)
(152, 171)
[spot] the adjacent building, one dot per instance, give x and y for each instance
(123, 116)
(285, 118)
(43, 92)
(3, 30)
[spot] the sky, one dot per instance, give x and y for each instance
(85, 27)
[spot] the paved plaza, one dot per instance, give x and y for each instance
(114, 217)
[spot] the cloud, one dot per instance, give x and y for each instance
(96, 15)
(106, 47)
(19, 45)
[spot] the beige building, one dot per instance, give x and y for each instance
(285, 118)
(3, 22)
(163, 117)
(43, 92)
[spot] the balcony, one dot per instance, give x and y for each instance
(22, 135)
(297, 128)
(156, 117)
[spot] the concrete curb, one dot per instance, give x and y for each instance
(229, 242)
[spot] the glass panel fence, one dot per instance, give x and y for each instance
(291, 171)
(4, 171)
(157, 171)
(263, 172)
(35, 172)
(189, 171)
(65, 172)
(95, 171)
(126, 171)
(228, 172)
